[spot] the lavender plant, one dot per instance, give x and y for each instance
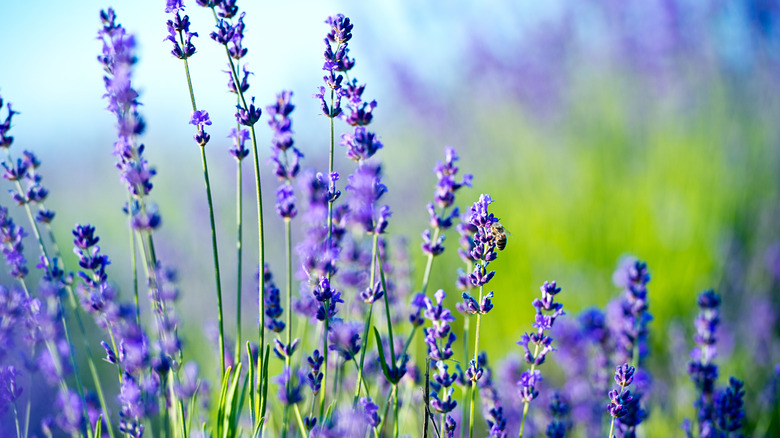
(159, 390)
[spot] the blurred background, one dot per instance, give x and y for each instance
(600, 128)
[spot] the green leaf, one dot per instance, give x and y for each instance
(381, 351)
(99, 426)
(252, 369)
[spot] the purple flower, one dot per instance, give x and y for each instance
(527, 385)
(11, 243)
(69, 416)
(285, 202)
(344, 338)
(730, 406)
(430, 247)
(492, 406)
(372, 294)
(559, 410)
(5, 126)
(370, 411)
(314, 377)
(439, 337)
(624, 375)
(280, 122)
(273, 308)
(239, 150)
(361, 144)
(618, 401)
(283, 351)
(340, 29)
(248, 116)
(9, 389)
(366, 188)
(183, 47)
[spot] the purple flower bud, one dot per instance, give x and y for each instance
(248, 116)
(624, 374)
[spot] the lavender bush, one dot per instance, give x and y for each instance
(359, 349)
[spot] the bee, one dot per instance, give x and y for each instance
(499, 233)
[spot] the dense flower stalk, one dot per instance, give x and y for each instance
(11, 237)
(624, 407)
(702, 370)
(547, 311)
(628, 318)
(559, 411)
(483, 252)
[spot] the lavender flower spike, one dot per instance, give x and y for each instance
(547, 310)
(702, 369)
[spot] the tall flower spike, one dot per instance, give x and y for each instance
(702, 370)
(547, 310)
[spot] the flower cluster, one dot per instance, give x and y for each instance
(11, 237)
(483, 252)
(547, 310)
(444, 197)
(284, 156)
(702, 369)
(179, 27)
(366, 188)
(273, 303)
(336, 61)
(118, 59)
(318, 254)
(623, 406)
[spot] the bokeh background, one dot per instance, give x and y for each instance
(601, 128)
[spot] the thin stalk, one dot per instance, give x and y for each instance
(387, 313)
(216, 261)
(299, 419)
(330, 236)
(16, 420)
(611, 424)
(261, 258)
(395, 408)
(466, 324)
(287, 358)
(325, 362)
(365, 384)
(526, 404)
(429, 264)
(214, 246)
(366, 333)
(239, 264)
(474, 382)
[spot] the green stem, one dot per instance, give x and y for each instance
(466, 323)
(239, 264)
(366, 333)
(526, 404)
(395, 408)
(16, 420)
(325, 362)
(474, 382)
(365, 384)
(612, 423)
(387, 313)
(216, 261)
(429, 264)
(214, 246)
